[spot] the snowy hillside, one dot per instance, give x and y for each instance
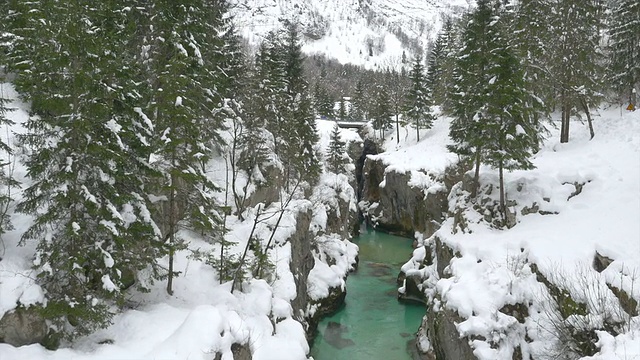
(204, 317)
(372, 33)
(583, 198)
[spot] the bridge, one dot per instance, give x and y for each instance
(351, 124)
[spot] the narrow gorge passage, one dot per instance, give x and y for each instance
(372, 325)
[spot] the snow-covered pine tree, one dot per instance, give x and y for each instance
(341, 113)
(358, 112)
(253, 149)
(336, 152)
(7, 182)
(418, 102)
(467, 129)
(531, 41)
(397, 83)
(86, 157)
(624, 49)
(299, 133)
(576, 58)
(382, 112)
(272, 88)
(184, 96)
(323, 103)
(441, 64)
(509, 123)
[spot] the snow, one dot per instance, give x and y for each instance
(348, 30)
(429, 155)
(203, 317)
(492, 268)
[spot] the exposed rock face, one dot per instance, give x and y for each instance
(412, 291)
(239, 351)
(601, 262)
(367, 181)
(343, 220)
(398, 207)
(302, 262)
(266, 193)
(22, 327)
(445, 338)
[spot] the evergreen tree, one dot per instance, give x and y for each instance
(341, 113)
(418, 101)
(336, 152)
(494, 120)
(471, 77)
(87, 151)
(441, 65)
(323, 102)
(299, 133)
(531, 42)
(576, 59)
(184, 98)
(396, 83)
(511, 133)
(382, 111)
(358, 107)
(7, 182)
(253, 145)
(624, 48)
(270, 98)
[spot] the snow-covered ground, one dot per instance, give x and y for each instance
(203, 317)
(344, 29)
(492, 265)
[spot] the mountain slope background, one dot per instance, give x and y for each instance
(370, 33)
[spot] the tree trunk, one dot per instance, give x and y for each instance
(172, 233)
(587, 112)
(503, 208)
(246, 250)
(476, 176)
(397, 129)
(566, 115)
(417, 132)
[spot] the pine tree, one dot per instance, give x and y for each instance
(271, 95)
(341, 113)
(382, 111)
(495, 121)
(336, 152)
(531, 42)
(397, 84)
(624, 48)
(183, 100)
(467, 129)
(576, 61)
(299, 133)
(253, 145)
(511, 131)
(358, 107)
(323, 103)
(87, 158)
(7, 182)
(441, 65)
(418, 100)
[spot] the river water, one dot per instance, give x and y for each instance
(372, 325)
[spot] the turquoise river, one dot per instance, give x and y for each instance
(372, 325)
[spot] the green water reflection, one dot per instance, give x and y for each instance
(372, 325)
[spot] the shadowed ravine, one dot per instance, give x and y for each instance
(372, 325)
